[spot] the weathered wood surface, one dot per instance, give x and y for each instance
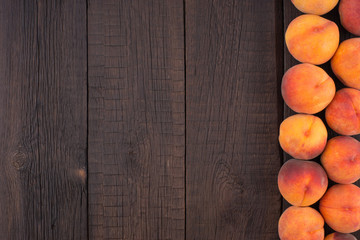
(232, 118)
(136, 119)
(43, 192)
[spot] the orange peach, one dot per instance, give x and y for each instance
(301, 223)
(349, 11)
(312, 39)
(318, 7)
(307, 88)
(346, 62)
(340, 207)
(343, 113)
(302, 183)
(341, 159)
(303, 136)
(340, 236)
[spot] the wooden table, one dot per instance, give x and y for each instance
(142, 119)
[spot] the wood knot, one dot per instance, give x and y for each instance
(18, 160)
(81, 173)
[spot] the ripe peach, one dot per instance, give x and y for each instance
(341, 159)
(318, 7)
(301, 223)
(340, 207)
(340, 236)
(343, 113)
(303, 136)
(302, 183)
(312, 39)
(346, 62)
(307, 88)
(349, 11)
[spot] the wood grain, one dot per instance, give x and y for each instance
(43, 119)
(232, 97)
(136, 119)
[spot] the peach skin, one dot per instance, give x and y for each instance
(303, 136)
(341, 159)
(346, 62)
(318, 7)
(312, 39)
(340, 207)
(301, 223)
(302, 183)
(343, 113)
(349, 11)
(307, 88)
(340, 236)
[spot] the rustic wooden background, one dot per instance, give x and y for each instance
(142, 119)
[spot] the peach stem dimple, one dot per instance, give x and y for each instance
(303, 198)
(357, 114)
(317, 230)
(320, 28)
(323, 81)
(307, 132)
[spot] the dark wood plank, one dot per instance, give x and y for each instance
(232, 119)
(290, 13)
(43, 119)
(136, 119)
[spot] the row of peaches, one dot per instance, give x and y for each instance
(307, 89)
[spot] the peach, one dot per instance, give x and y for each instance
(340, 207)
(307, 88)
(349, 11)
(341, 159)
(343, 113)
(301, 223)
(302, 183)
(318, 7)
(312, 39)
(340, 236)
(346, 62)
(303, 136)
